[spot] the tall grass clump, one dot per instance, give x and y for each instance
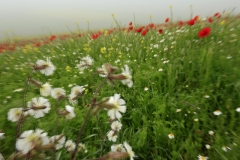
(170, 90)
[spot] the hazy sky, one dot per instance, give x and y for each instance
(42, 17)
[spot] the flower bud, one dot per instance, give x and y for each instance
(38, 107)
(40, 67)
(110, 68)
(117, 77)
(36, 83)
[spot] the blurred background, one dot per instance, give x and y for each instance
(28, 18)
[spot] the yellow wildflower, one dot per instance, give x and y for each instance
(223, 22)
(103, 50)
(35, 49)
(86, 91)
(24, 50)
(68, 68)
(86, 45)
(106, 32)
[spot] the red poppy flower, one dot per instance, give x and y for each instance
(151, 25)
(38, 44)
(166, 20)
(52, 38)
(139, 30)
(191, 22)
(130, 28)
(196, 18)
(3, 46)
(180, 23)
(12, 48)
(130, 23)
(210, 20)
(204, 32)
(94, 36)
(45, 42)
(144, 32)
(218, 15)
(160, 31)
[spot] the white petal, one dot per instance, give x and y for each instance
(116, 97)
(121, 102)
(122, 109)
(118, 115)
(111, 113)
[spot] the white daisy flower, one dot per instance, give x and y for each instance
(117, 148)
(211, 133)
(70, 111)
(226, 148)
(72, 99)
(207, 146)
(129, 150)
(77, 90)
(103, 72)
(238, 109)
(106, 70)
(207, 96)
(38, 107)
(178, 110)
(126, 72)
(14, 114)
(85, 62)
(45, 89)
(82, 146)
(171, 136)
(58, 140)
(58, 93)
(70, 146)
(45, 67)
(116, 126)
(112, 136)
(196, 120)
(202, 157)
(217, 113)
(118, 106)
(29, 140)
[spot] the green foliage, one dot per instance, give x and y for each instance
(173, 70)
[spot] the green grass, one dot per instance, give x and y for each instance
(190, 69)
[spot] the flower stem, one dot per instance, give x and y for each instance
(87, 116)
(101, 134)
(55, 129)
(18, 130)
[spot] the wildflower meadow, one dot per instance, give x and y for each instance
(163, 90)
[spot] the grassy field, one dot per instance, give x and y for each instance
(184, 101)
